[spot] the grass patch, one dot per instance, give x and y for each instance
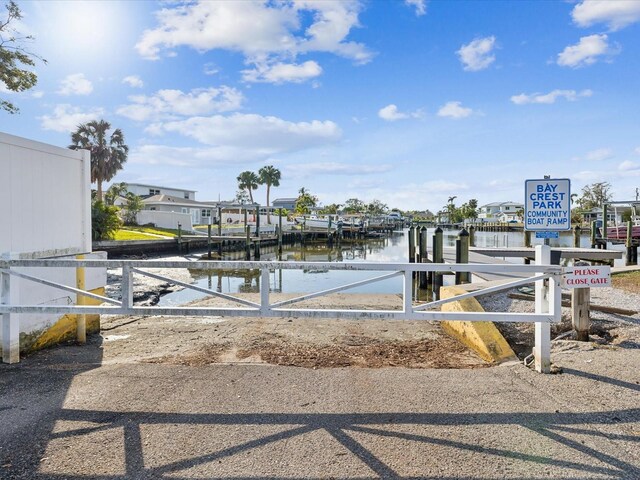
(126, 235)
(629, 281)
(165, 232)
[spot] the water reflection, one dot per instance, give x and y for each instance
(393, 249)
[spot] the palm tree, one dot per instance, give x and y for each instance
(248, 181)
(269, 176)
(108, 152)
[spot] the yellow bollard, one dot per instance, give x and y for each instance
(81, 318)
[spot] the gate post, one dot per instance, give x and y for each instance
(542, 345)
(10, 323)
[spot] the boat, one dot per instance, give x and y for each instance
(619, 232)
(313, 222)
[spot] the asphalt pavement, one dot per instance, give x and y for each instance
(66, 415)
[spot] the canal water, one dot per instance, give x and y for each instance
(392, 249)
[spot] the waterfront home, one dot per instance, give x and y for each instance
(143, 190)
(286, 203)
(501, 212)
(200, 212)
(614, 215)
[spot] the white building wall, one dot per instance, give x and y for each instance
(45, 199)
(163, 219)
(45, 211)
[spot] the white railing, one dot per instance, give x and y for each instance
(546, 278)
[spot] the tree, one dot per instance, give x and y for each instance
(594, 195)
(104, 221)
(354, 205)
(269, 176)
(305, 201)
(113, 192)
(248, 181)
(330, 209)
(133, 206)
(108, 152)
(376, 207)
(242, 197)
(16, 63)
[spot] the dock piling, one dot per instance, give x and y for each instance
(462, 255)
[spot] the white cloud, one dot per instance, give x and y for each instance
(133, 81)
(391, 113)
(477, 54)
(599, 155)
(168, 103)
(551, 97)
(334, 168)
(65, 118)
(37, 94)
(628, 165)
(616, 14)
(264, 32)
(586, 51)
(419, 5)
(282, 72)
(75, 84)
(454, 110)
(637, 151)
(194, 156)
(210, 68)
(266, 135)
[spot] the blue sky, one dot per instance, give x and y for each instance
(408, 102)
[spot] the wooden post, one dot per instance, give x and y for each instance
(280, 233)
(462, 256)
(438, 254)
(81, 318)
(472, 236)
(220, 233)
(247, 246)
(605, 220)
(179, 239)
(576, 236)
(527, 238)
(10, 323)
(412, 244)
(542, 346)
(580, 300)
(424, 256)
(594, 233)
(209, 241)
(258, 221)
(629, 244)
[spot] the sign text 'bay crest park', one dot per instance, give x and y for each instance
(547, 204)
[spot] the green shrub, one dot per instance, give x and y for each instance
(104, 221)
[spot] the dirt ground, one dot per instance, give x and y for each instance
(303, 342)
(629, 282)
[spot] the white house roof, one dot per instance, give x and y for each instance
(171, 200)
(502, 204)
(284, 200)
(158, 186)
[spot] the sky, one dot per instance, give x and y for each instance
(408, 102)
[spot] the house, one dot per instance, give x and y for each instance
(500, 212)
(286, 203)
(614, 216)
(143, 190)
(200, 212)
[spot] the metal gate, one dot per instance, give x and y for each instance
(545, 276)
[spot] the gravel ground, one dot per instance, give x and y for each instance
(606, 328)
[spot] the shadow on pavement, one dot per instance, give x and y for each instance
(33, 411)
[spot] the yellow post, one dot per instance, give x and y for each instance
(81, 318)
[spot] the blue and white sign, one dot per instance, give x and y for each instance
(547, 204)
(547, 235)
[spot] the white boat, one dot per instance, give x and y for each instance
(313, 222)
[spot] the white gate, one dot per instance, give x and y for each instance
(545, 276)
